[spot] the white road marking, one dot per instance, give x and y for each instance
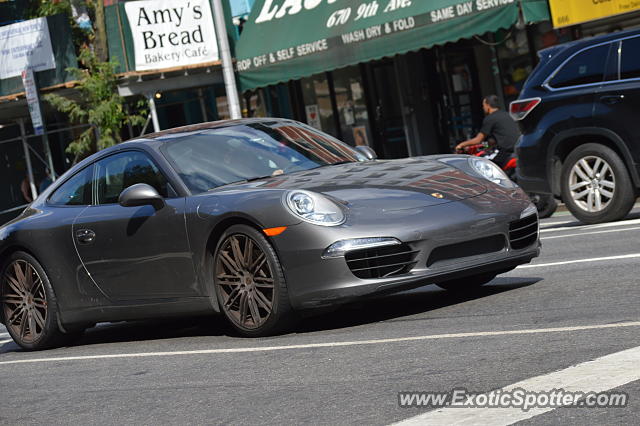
(598, 226)
(599, 375)
(2, 342)
(329, 344)
(547, 224)
(590, 233)
(568, 262)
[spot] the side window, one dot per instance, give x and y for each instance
(630, 63)
(120, 171)
(585, 68)
(74, 192)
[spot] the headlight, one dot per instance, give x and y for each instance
(314, 208)
(490, 171)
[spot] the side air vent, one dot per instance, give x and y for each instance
(523, 232)
(381, 262)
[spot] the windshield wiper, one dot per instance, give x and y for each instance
(241, 181)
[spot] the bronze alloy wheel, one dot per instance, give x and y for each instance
(245, 281)
(24, 301)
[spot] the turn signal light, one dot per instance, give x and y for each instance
(521, 108)
(272, 232)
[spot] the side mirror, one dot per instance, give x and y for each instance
(140, 194)
(367, 152)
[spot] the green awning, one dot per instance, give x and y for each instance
(289, 39)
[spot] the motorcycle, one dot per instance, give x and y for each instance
(545, 203)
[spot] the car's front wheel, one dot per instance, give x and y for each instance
(596, 186)
(28, 303)
(467, 283)
(249, 283)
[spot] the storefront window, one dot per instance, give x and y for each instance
(352, 106)
(255, 104)
(516, 59)
(222, 105)
(317, 103)
(516, 62)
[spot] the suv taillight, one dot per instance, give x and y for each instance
(521, 108)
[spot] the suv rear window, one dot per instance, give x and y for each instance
(585, 68)
(630, 63)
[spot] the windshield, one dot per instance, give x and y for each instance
(216, 157)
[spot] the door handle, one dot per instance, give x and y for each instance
(85, 236)
(612, 100)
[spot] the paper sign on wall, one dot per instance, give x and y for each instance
(25, 45)
(313, 116)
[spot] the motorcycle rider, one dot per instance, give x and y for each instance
(497, 125)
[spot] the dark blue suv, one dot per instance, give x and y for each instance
(579, 114)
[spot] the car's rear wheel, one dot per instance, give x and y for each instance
(467, 283)
(28, 303)
(249, 283)
(596, 186)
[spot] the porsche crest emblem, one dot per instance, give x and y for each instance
(437, 195)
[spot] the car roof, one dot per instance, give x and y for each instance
(579, 44)
(553, 57)
(175, 132)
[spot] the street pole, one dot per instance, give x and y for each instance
(203, 107)
(227, 64)
(47, 153)
(27, 158)
(154, 113)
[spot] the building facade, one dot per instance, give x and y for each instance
(169, 61)
(403, 77)
(406, 78)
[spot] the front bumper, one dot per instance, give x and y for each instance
(315, 282)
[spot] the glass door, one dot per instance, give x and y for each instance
(464, 107)
(390, 134)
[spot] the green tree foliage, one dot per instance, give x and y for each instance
(96, 101)
(81, 37)
(99, 105)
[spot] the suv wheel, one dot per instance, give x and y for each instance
(596, 186)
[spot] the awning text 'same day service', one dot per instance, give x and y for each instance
(290, 39)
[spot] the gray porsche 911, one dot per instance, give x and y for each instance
(255, 219)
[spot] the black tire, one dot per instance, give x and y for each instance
(545, 203)
(467, 283)
(280, 316)
(619, 204)
(38, 311)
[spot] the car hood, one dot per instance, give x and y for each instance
(382, 185)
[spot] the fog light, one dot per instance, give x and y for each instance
(340, 248)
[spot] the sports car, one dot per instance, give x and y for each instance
(256, 219)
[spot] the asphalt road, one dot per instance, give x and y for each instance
(562, 311)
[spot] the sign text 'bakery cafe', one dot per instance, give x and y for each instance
(171, 33)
